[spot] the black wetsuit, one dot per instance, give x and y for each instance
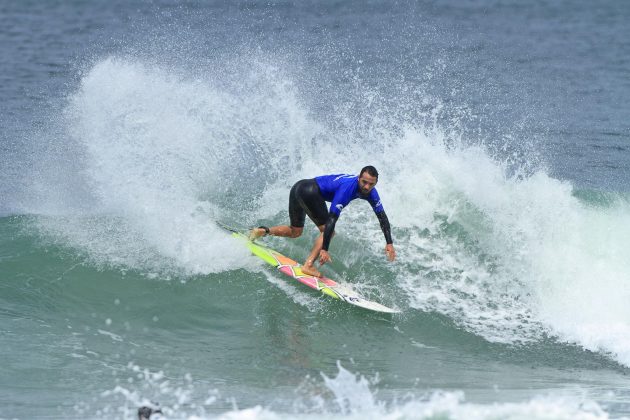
(307, 197)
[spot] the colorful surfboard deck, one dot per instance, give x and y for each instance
(293, 269)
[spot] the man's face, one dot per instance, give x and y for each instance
(367, 183)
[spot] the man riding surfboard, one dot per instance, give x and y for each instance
(309, 196)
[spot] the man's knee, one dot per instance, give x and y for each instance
(322, 228)
(296, 232)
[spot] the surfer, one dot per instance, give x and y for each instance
(309, 196)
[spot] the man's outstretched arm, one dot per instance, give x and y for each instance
(387, 232)
(329, 229)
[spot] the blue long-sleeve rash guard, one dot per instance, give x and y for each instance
(340, 190)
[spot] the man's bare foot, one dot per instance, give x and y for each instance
(256, 233)
(310, 270)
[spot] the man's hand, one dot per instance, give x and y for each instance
(390, 251)
(324, 257)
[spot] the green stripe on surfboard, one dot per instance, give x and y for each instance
(292, 269)
(260, 251)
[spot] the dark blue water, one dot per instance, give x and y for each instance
(500, 129)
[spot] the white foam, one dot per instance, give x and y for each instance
(353, 399)
(162, 154)
(350, 396)
(536, 258)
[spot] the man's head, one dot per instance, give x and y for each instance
(368, 177)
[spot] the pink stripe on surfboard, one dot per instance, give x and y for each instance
(307, 280)
(287, 270)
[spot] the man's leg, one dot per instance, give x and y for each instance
(297, 216)
(285, 231)
(306, 200)
(315, 207)
(309, 264)
(293, 232)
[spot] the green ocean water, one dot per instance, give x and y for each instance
(88, 338)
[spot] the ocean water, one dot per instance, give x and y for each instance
(501, 132)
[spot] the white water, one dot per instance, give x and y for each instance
(344, 396)
(162, 155)
(553, 260)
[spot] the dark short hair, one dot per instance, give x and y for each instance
(370, 170)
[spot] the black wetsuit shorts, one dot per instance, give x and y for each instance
(305, 198)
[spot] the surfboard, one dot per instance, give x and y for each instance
(293, 269)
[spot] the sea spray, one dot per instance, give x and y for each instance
(509, 255)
